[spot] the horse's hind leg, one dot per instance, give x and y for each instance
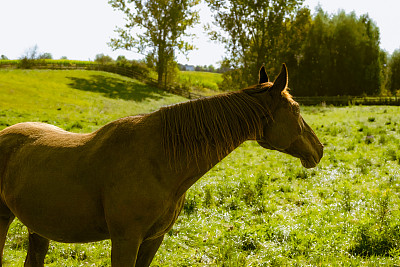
(6, 218)
(37, 250)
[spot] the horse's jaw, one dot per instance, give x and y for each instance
(308, 149)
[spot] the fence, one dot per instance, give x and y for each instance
(178, 90)
(348, 100)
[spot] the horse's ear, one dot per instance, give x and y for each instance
(281, 81)
(262, 76)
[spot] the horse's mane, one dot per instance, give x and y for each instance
(200, 128)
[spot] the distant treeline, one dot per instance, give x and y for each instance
(326, 55)
(205, 68)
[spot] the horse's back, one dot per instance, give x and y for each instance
(44, 133)
(12, 138)
(30, 129)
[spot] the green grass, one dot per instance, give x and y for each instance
(74, 100)
(203, 82)
(261, 208)
(255, 208)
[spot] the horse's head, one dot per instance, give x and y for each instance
(287, 131)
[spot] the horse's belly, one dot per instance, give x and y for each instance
(54, 196)
(64, 213)
(64, 225)
(68, 234)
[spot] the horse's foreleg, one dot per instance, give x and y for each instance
(147, 251)
(6, 218)
(124, 252)
(37, 250)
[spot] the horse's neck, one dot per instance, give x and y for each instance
(199, 134)
(190, 171)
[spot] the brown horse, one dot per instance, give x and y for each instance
(127, 181)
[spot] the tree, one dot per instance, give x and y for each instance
(341, 56)
(32, 53)
(394, 72)
(3, 57)
(121, 59)
(46, 56)
(156, 28)
(289, 47)
(103, 59)
(251, 33)
(30, 58)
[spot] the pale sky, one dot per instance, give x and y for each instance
(80, 29)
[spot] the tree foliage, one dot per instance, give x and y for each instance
(341, 56)
(251, 31)
(325, 54)
(103, 59)
(156, 28)
(393, 82)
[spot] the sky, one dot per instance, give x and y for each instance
(81, 29)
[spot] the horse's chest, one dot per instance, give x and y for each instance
(166, 220)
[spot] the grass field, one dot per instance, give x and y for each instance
(74, 100)
(202, 82)
(256, 207)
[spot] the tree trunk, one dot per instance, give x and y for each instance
(160, 68)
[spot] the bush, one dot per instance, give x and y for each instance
(32, 58)
(103, 59)
(138, 67)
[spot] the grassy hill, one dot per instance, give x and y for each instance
(202, 82)
(75, 100)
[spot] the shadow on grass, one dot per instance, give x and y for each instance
(116, 88)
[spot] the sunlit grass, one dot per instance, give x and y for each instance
(202, 82)
(261, 208)
(75, 100)
(255, 208)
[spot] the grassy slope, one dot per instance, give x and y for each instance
(74, 100)
(202, 82)
(257, 207)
